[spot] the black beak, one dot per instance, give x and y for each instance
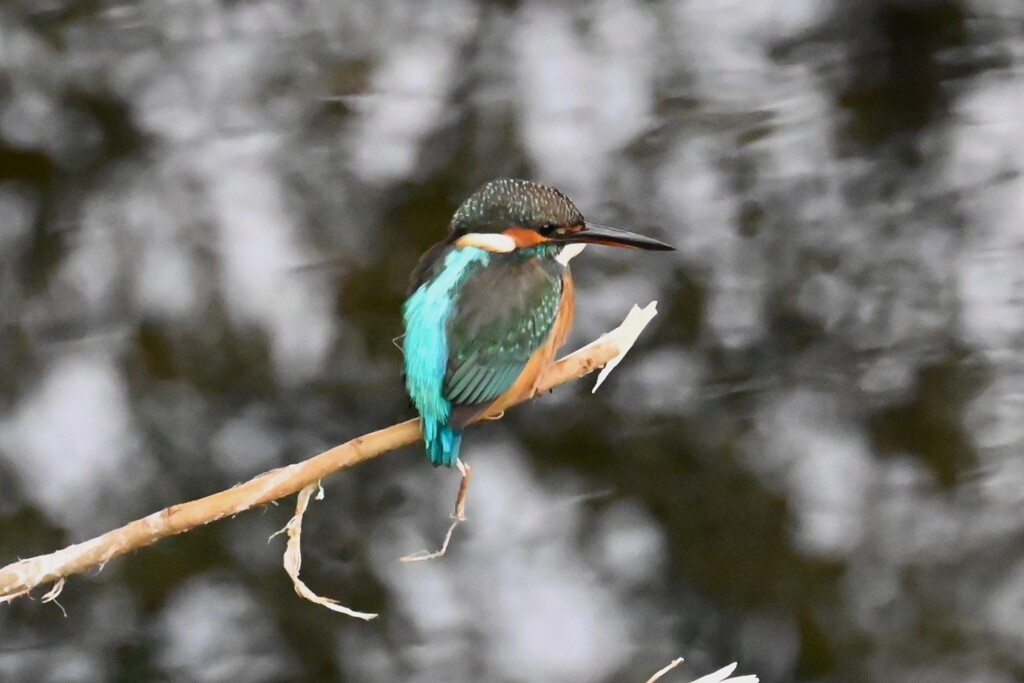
(613, 237)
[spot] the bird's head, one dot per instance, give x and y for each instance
(507, 214)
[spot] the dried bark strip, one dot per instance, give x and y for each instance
(293, 556)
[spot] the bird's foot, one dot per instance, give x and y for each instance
(458, 517)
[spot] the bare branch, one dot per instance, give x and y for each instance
(18, 578)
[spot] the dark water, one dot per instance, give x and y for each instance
(813, 462)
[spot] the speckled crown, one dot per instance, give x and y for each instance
(507, 202)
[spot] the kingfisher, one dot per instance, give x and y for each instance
(491, 304)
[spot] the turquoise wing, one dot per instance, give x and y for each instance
(426, 314)
(500, 319)
(472, 323)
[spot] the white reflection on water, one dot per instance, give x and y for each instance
(74, 446)
(213, 631)
(516, 594)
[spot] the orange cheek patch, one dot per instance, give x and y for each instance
(524, 237)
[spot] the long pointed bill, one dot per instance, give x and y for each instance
(613, 237)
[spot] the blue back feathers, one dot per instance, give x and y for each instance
(426, 315)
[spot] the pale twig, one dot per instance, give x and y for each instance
(723, 676)
(636, 320)
(18, 578)
(720, 676)
(53, 593)
(293, 556)
(10, 597)
(458, 517)
(665, 669)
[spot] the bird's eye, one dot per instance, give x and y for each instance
(552, 230)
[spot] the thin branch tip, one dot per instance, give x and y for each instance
(629, 331)
(665, 669)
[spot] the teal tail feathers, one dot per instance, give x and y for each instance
(442, 442)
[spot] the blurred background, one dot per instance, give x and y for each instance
(811, 463)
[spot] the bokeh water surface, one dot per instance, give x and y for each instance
(813, 462)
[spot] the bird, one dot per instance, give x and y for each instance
(490, 305)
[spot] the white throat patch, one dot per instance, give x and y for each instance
(569, 252)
